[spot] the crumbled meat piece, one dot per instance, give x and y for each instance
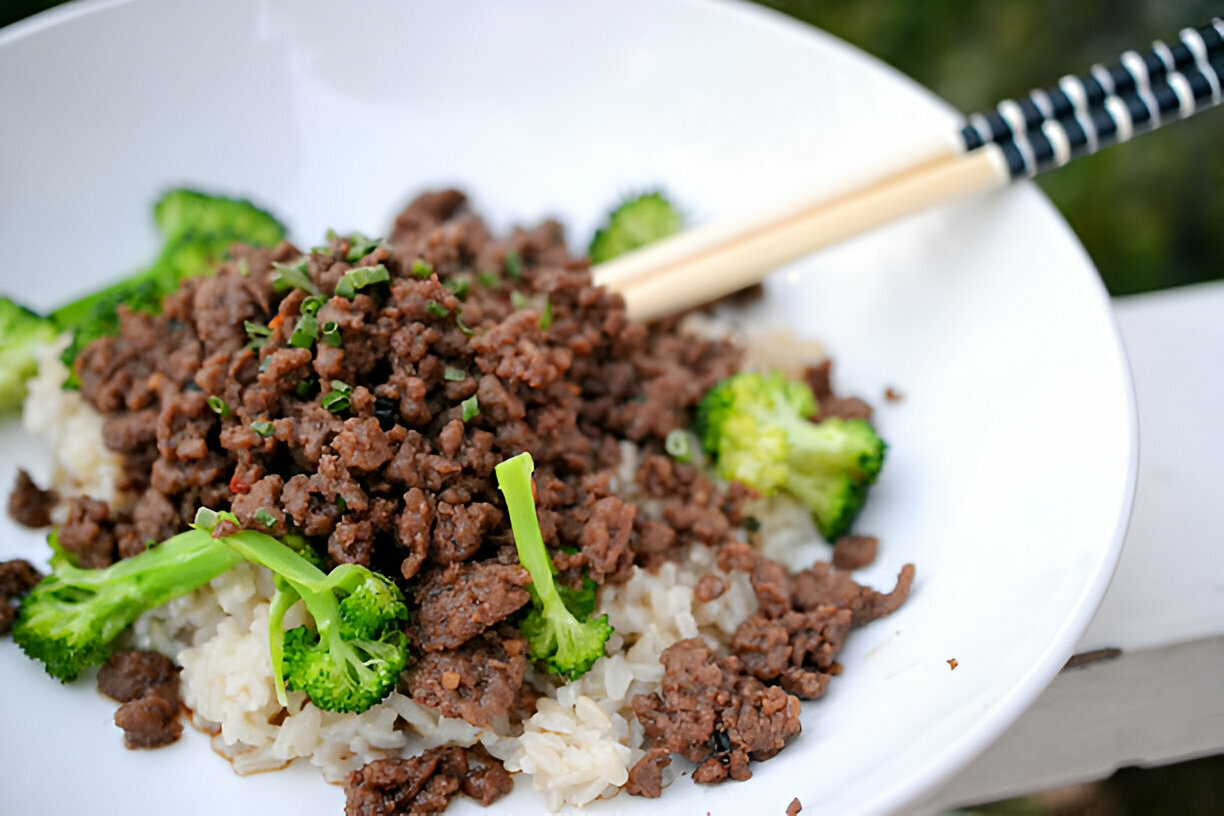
(819, 379)
(713, 714)
(147, 684)
(17, 577)
(478, 681)
(461, 601)
(821, 585)
(149, 721)
(425, 783)
(709, 587)
(30, 505)
(794, 807)
(127, 675)
(646, 776)
(854, 552)
(85, 534)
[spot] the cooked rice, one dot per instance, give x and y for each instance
(81, 464)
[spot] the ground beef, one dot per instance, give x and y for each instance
(854, 552)
(461, 601)
(30, 505)
(147, 685)
(819, 378)
(478, 682)
(86, 533)
(794, 807)
(713, 714)
(646, 776)
(17, 577)
(425, 783)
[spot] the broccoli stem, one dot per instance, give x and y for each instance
(514, 480)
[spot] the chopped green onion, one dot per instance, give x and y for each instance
(458, 286)
(518, 300)
(546, 318)
(360, 278)
(360, 246)
(752, 524)
(514, 266)
(341, 504)
(244, 268)
(206, 519)
(489, 279)
(311, 306)
(436, 309)
(265, 518)
(220, 406)
(264, 363)
(262, 428)
(679, 445)
(421, 269)
(454, 374)
(294, 277)
(331, 334)
(305, 386)
(337, 399)
(463, 327)
(305, 332)
(471, 408)
(258, 333)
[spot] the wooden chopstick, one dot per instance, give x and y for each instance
(1017, 140)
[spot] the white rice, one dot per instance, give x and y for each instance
(81, 464)
(578, 746)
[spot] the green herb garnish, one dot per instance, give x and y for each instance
(294, 277)
(337, 399)
(220, 407)
(360, 278)
(471, 408)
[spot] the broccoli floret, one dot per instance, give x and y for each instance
(634, 224)
(197, 230)
(567, 642)
(22, 332)
(758, 428)
(183, 212)
(70, 619)
(353, 657)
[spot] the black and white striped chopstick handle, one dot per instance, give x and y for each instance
(1081, 115)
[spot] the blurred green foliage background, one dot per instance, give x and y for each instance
(1150, 212)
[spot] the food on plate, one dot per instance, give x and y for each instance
(428, 511)
(758, 428)
(633, 224)
(22, 333)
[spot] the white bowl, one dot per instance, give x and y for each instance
(1012, 454)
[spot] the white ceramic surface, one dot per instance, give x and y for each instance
(1012, 458)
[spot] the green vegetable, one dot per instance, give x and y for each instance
(634, 224)
(294, 276)
(436, 309)
(360, 278)
(471, 408)
(330, 334)
(265, 517)
(421, 269)
(514, 266)
(258, 333)
(70, 619)
(220, 407)
(360, 246)
(565, 637)
(337, 399)
(679, 445)
(22, 332)
(758, 428)
(197, 229)
(518, 300)
(546, 317)
(454, 374)
(306, 332)
(263, 428)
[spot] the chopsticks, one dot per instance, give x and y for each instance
(1017, 140)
